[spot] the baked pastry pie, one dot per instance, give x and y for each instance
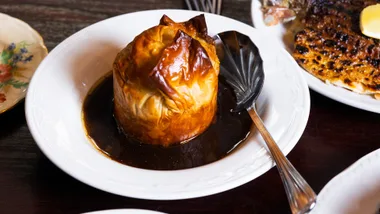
(166, 83)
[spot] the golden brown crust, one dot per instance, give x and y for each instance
(332, 47)
(166, 81)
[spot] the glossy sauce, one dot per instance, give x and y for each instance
(228, 130)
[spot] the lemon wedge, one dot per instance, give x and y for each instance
(370, 21)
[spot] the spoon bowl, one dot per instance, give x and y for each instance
(241, 67)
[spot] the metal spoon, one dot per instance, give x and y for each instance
(242, 67)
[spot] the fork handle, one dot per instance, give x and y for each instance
(301, 197)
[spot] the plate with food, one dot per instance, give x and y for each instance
(330, 41)
(21, 51)
(355, 190)
(139, 109)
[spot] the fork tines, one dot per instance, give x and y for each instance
(209, 6)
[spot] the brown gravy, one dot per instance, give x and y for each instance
(228, 131)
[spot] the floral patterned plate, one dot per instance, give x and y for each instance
(21, 51)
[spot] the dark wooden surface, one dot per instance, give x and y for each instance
(336, 135)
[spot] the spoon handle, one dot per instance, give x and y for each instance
(301, 197)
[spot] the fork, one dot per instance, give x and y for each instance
(209, 6)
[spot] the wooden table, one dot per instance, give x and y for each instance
(335, 137)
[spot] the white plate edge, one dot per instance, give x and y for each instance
(349, 171)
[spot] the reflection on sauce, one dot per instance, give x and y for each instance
(227, 131)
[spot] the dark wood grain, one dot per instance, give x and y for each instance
(336, 135)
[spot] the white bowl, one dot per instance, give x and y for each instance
(59, 86)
